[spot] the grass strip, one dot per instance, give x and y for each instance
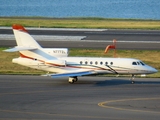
(151, 58)
(100, 23)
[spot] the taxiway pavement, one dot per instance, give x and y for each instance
(111, 98)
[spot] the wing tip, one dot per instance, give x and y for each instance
(18, 27)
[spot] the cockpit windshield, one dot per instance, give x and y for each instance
(142, 63)
(134, 63)
(138, 63)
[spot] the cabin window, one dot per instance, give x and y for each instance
(86, 62)
(106, 63)
(96, 62)
(111, 63)
(81, 62)
(101, 63)
(91, 62)
(134, 63)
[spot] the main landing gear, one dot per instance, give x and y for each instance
(132, 79)
(72, 79)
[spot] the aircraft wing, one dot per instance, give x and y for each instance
(71, 74)
(20, 48)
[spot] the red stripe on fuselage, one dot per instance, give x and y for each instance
(24, 56)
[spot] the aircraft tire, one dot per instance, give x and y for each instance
(71, 80)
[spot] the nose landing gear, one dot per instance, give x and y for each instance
(132, 79)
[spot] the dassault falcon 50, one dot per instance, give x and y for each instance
(57, 61)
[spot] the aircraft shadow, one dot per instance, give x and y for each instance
(112, 82)
(107, 82)
(104, 82)
(123, 82)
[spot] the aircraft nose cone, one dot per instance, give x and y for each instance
(153, 70)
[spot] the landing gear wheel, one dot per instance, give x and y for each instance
(132, 82)
(72, 79)
(132, 79)
(75, 79)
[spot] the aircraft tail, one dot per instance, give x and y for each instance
(23, 38)
(29, 47)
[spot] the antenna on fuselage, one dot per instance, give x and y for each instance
(113, 46)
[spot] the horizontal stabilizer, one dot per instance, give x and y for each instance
(71, 74)
(20, 48)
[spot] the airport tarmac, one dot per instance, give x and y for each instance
(112, 98)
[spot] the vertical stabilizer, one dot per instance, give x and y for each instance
(23, 38)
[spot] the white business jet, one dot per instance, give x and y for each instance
(56, 60)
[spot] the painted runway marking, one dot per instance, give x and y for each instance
(105, 104)
(57, 114)
(122, 41)
(46, 37)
